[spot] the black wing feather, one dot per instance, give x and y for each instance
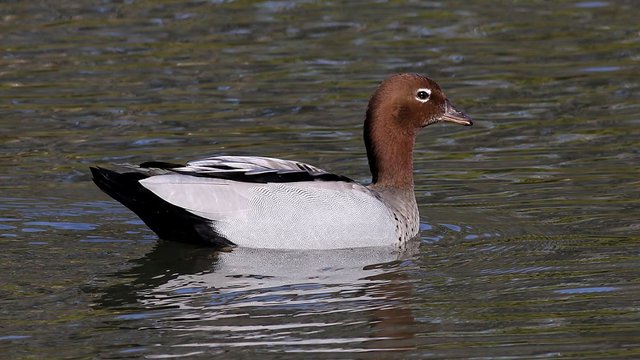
(273, 176)
(221, 171)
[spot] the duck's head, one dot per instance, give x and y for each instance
(413, 101)
(398, 109)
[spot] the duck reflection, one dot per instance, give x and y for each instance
(361, 296)
(167, 261)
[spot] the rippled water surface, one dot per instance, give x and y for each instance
(530, 219)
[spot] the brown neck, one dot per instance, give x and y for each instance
(390, 151)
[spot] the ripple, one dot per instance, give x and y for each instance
(587, 290)
(600, 69)
(64, 225)
(591, 4)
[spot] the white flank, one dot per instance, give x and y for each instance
(299, 215)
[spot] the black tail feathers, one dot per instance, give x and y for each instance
(168, 221)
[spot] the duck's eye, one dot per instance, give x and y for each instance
(422, 95)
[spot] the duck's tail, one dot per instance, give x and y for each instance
(168, 221)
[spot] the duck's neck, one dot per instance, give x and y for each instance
(390, 151)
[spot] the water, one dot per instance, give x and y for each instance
(529, 242)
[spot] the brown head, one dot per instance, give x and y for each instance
(398, 109)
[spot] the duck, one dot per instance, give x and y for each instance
(263, 202)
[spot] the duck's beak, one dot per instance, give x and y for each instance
(453, 115)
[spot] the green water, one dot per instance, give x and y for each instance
(529, 245)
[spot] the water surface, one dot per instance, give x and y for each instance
(530, 230)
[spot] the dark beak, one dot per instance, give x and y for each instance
(453, 115)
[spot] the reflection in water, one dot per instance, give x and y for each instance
(165, 262)
(331, 300)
